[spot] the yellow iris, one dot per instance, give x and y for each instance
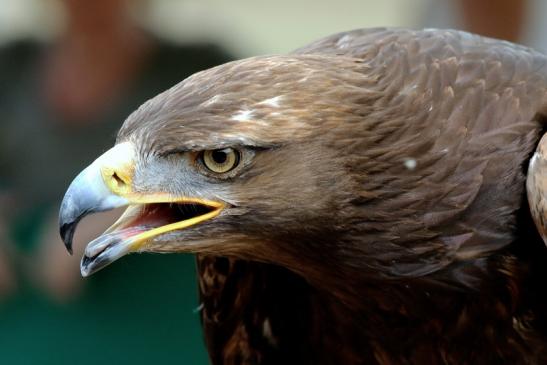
(221, 161)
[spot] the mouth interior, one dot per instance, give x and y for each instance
(139, 224)
(149, 220)
(159, 214)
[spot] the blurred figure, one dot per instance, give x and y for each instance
(502, 19)
(69, 89)
(60, 106)
(511, 20)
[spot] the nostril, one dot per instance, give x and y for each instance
(119, 181)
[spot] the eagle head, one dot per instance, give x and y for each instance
(254, 159)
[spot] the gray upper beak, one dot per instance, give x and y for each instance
(88, 194)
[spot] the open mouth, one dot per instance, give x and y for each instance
(139, 224)
(108, 184)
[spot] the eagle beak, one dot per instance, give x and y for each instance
(107, 184)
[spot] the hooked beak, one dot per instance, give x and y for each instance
(107, 184)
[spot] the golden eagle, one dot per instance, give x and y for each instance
(361, 200)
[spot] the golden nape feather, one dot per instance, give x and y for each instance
(362, 200)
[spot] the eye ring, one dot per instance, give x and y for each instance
(220, 161)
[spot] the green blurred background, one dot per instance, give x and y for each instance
(70, 72)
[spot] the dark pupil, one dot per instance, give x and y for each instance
(219, 156)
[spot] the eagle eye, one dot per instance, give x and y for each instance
(220, 161)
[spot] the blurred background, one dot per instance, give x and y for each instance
(70, 72)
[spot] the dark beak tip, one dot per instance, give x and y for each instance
(66, 231)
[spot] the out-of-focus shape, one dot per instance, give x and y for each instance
(502, 19)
